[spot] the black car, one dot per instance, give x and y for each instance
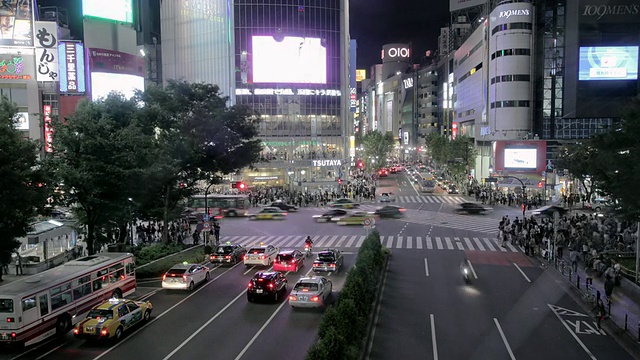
(328, 260)
(228, 254)
(453, 189)
(266, 284)
(390, 211)
(283, 206)
(472, 208)
(327, 216)
(549, 211)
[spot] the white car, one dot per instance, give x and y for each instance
(185, 276)
(260, 255)
(387, 197)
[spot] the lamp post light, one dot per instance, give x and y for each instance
(130, 221)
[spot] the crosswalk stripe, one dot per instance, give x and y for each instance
(499, 245)
(234, 238)
(279, 241)
(389, 242)
(353, 238)
(399, 244)
(429, 243)
(449, 243)
(409, 242)
(341, 241)
(489, 245)
(291, 241)
(511, 247)
(429, 199)
(459, 243)
(360, 241)
(330, 242)
(439, 243)
(323, 240)
(419, 242)
(469, 244)
(479, 244)
(242, 239)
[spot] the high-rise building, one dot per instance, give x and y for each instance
(197, 42)
(292, 64)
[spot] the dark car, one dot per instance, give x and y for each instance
(228, 254)
(328, 260)
(472, 208)
(453, 189)
(328, 215)
(390, 211)
(548, 211)
(283, 206)
(266, 285)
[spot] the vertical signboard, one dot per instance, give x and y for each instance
(16, 23)
(48, 129)
(72, 74)
(353, 47)
(46, 51)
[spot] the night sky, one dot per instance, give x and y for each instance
(373, 24)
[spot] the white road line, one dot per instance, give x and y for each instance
(409, 242)
(399, 243)
(449, 243)
(52, 350)
(522, 272)
(419, 242)
(479, 244)
(469, 244)
(584, 347)
(360, 241)
(459, 243)
(473, 271)
(426, 267)
(433, 337)
(350, 242)
(154, 319)
(439, 243)
(504, 339)
(489, 244)
(389, 242)
(429, 243)
(251, 268)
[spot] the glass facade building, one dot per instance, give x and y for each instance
(291, 62)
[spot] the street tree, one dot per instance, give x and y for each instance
(23, 186)
(198, 139)
(100, 156)
(377, 148)
(579, 159)
(437, 147)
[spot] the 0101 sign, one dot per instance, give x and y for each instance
(398, 52)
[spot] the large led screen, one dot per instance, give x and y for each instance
(608, 63)
(293, 60)
(520, 158)
(117, 10)
(104, 83)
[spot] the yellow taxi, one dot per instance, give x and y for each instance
(112, 318)
(354, 218)
(268, 213)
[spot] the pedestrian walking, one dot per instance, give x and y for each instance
(216, 231)
(18, 265)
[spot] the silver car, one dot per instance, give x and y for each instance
(311, 292)
(185, 276)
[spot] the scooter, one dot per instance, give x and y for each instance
(307, 250)
(466, 275)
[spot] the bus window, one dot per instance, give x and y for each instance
(116, 273)
(131, 267)
(6, 306)
(44, 305)
(81, 287)
(102, 276)
(28, 303)
(60, 296)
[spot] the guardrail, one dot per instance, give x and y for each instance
(628, 322)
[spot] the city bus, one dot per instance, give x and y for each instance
(50, 303)
(220, 205)
(426, 182)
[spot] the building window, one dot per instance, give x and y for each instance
(511, 26)
(509, 52)
(507, 78)
(510, 103)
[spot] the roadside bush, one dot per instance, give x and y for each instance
(342, 329)
(194, 255)
(148, 253)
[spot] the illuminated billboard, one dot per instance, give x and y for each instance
(520, 158)
(608, 63)
(116, 10)
(104, 83)
(71, 64)
(361, 74)
(290, 60)
(16, 23)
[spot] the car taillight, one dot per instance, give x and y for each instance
(402, 210)
(270, 285)
(76, 331)
(261, 257)
(307, 246)
(184, 278)
(227, 257)
(314, 299)
(315, 265)
(14, 335)
(332, 265)
(104, 332)
(293, 261)
(10, 320)
(164, 277)
(292, 298)
(245, 257)
(250, 285)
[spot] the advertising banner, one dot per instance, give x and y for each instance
(396, 52)
(16, 64)
(72, 73)
(353, 50)
(361, 74)
(521, 156)
(46, 51)
(116, 62)
(115, 10)
(21, 120)
(464, 4)
(16, 23)
(48, 129)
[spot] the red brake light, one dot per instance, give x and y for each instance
(250, 284)
(14, 335)
(227, 257)
(184, 278)
(293, 261)
(314, 265)
(270, 285)
(76, 331)
(332, 265)
(104, 332)
(10, 320)
(244, 257)
(402, 210)
(292, 298)
(261, 257)
(314, 299)
(164, 277)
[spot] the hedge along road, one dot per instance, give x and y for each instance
(236, 322)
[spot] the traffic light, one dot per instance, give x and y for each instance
(339, 181)
(360, 164)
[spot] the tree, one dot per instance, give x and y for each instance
(458, 154)
(198, 138)
(579, 159)
(23, 190)
(101, 154)
(377, 147)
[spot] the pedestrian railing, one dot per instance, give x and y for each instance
(628, 322)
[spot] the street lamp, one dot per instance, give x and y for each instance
(130, 221)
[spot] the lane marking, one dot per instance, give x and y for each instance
(155, 318)
(426, 266)
(504, 339)
(473, 271)
(52, 350)
(584, 347)
(522, 272)
(433, 337)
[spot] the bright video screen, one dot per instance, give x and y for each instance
(520, 158)
(294, 60)
(608, 63)
(104, 83)
(116, 10)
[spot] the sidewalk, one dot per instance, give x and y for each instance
(624, 310)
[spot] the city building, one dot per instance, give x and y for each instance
(292, 64)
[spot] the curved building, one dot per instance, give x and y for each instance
(292, 69)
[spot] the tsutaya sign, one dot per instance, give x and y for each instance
(327, 162)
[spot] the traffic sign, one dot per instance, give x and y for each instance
(206, 225)
(199, 227)
(491, 180)
(367, 222)
(544, 173)
(206, 217)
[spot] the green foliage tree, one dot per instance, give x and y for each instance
(198, 138)
(580, 159)
(100, 155)
(377, 147)
(23, 187)
(458, 154)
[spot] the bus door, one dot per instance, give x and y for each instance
(30, 312)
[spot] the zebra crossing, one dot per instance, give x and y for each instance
(432, 199)
(461, 222)
(391, 242)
